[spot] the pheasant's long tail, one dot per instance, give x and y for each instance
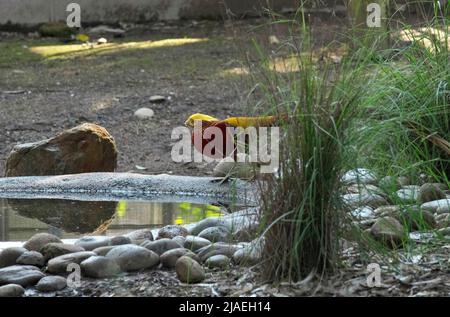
(245, 122)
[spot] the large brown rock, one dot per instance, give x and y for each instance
(83, 149)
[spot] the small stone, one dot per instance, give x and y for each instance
(364, 188)
(157, 99)
(101, 41)
(189, 271)
(102, 251)
(144, 113)
(104, 29)
(216, 234)
(365, 212)
(390, 210)
(169, 258)
(389, 231)
(39, 240)
(9, 256)
(90, 243)
(227, 168)
(218, 261)
(139, 236)
(131, 257)
(408, 194)
(438, 206)
(160, 246)
(429, 192)
(406, 280)
(53, 250)
(172, 231)
(51, 284)
(120, 240)
(206, 223)
(59, 264)
(359, 175)
(31, 258)
(389, 184)
(443, 220)
(353, 201)
(273, 40)
(11, 290)
(365, 224)
(250, 254)
(194, 243)
(403, 181)
(24, 275)
(179, 239)
(99, 267)
(218, 248)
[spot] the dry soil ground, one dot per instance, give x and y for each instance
(47, 86)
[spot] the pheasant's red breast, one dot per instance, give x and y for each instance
(213, 140)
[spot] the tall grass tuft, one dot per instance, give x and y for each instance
(402, 105)
(410, 102)
(301, 206)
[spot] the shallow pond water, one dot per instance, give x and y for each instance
(67, 219)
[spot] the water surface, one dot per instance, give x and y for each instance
(67, 219)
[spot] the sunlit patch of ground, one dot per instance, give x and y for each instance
(426, 36)
(85, 49)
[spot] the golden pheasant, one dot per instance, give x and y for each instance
(200, 139)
